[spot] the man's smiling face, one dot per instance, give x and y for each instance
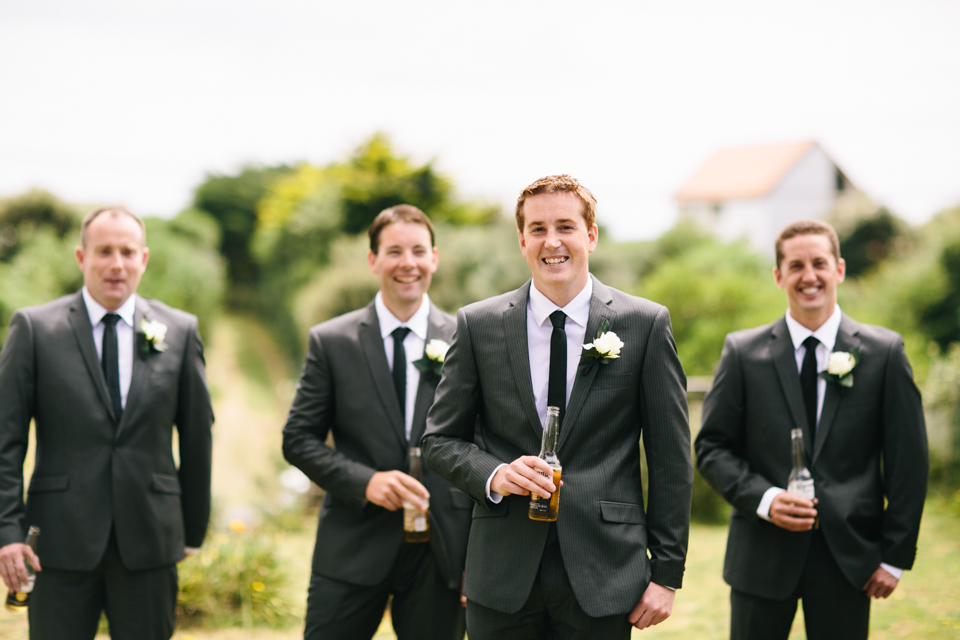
(809, 273)
(556, 242)
(405, 262)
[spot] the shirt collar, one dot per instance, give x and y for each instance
(825, 333)
(388, 322)
(96, 311)
(577, 309)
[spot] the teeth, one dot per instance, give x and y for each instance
(407, 279)
(555, 260)
(810, 290)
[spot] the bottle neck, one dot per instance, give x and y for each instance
(799, 459)
(415, 463)
(550, 431)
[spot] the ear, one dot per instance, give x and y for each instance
(523, 244)
(593, 235)
(372, 261)
(777, 278)
(78, 254)
(146, 257)
(841, 270)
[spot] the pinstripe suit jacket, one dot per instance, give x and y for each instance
(484, 415)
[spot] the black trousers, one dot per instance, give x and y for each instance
(833, 609)
(140, 605)
(423, 607)
(551, 612)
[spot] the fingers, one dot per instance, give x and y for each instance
(793, 513)
(654, 607)
(12, 566)
(389, 489)
(523, 476)
(881, 584)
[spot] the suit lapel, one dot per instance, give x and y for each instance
(428, 382)
(847, 340)
(371, 343)
(515, 336)
(600, 308)
(83, 332)
(140, 371)
(785, 361)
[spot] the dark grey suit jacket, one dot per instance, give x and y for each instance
(346, 389)
(484, 415)
(870, 444)
(92, 473)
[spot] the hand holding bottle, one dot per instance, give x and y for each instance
(13, 568)
(793, 513)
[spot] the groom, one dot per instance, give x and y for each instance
(588, 574)
(104, 390)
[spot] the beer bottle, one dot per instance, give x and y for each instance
(18, 601)
(800, 482)
(416, 525)
(546, 510)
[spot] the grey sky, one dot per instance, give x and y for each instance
(133, 102)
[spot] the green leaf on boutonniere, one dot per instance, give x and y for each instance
(434, 353)
(154, 333)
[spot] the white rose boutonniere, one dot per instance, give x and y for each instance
(840, 367)
(605, 347)
(154, 333)
(433, 356)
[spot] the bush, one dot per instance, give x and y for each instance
(235, 580)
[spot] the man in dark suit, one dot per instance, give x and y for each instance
(587, 575)
(864, 438)
(105, 375)
(360, 384)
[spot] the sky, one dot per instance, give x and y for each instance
(132, 102)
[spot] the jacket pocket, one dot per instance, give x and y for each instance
(460, 500)
(165, 484)
(44, 484)
(487, 510)
(623, 512)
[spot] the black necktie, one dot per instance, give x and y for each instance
(400, 368)
(557, 382)
(110, 362)
(808, 382)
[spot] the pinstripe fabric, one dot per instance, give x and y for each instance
(603, 529)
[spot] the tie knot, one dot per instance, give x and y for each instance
(400, 333)
(110, 319)
(811, 343)
(559, 319)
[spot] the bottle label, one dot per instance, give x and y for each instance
(802, 489)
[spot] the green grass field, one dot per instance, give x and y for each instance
(251, 393)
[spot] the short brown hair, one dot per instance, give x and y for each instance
(559, 184)
(807, 228)
(399, 213)
(114, 212)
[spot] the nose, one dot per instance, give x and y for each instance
(809, 273)
(406, 260)
(553, 240)
(116, 261)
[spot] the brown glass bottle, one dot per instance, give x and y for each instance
(416, 525)
(540, 509)
(18, 601)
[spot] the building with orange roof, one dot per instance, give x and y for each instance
(753, 192)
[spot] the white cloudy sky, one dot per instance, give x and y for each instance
(133, 102)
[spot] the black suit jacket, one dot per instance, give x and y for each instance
(92, 473)
(346, 390)
(485, 415)
(870, 444)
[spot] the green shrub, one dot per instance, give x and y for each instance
(235, 580)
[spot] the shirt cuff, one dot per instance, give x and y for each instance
(896, 573)
(763, 510)
(493, 496)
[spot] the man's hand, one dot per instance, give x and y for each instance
(389, 489)
(189, 551)
(12, 568)
(793, 513)
(654, 607)
(881, 584)
(522, 476)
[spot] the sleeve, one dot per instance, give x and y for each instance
(311, 417)
(906, 460)
(720, 443)
(448, 442)
(17, 387)
(194, 421)
(666, 441)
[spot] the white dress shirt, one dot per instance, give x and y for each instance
(827, 335)
(125, 336)
(413, 346)
(539, 331)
